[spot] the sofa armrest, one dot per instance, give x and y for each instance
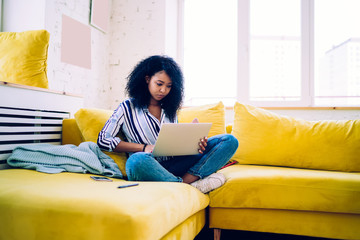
(71, 133)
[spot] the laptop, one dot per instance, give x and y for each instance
(177, 139)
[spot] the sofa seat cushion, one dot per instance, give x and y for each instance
(73, 206)
(265, 187)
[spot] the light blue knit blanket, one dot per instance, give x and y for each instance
(48, 158)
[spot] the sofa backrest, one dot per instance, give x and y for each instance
(88, 123)
(71, 133)
(267, 138)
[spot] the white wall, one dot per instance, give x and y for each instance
(22, 15)
(93, 84)
(138, 30)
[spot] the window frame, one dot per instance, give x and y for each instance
(243, 81)
(1, 15)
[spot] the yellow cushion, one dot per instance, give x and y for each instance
(212, 113)
(71, 133)
(266, 138)
(90, 122)
(81, 208)
(229, 128)
(119, 159)
(265, 187)
(23, 57)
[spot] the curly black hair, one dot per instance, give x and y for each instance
(137, 88)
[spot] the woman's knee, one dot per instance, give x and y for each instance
(137, 160)
(230, 140)
(233, 140)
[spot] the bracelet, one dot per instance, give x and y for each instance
(144, 147)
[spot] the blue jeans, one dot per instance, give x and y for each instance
(142, 166)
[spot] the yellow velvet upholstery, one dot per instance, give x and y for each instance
(318, 203)
(71, 133)
(229, 129)
(23, 58)
(266, 138)
(288, 200)
(265, 187)
(90, 122)
(41, 206)
(295, 177)
(211, 113)
(315, 224)
(187, 229)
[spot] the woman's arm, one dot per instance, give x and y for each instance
(133, 147)
(107, 138)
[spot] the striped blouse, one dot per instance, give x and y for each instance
(138, 125)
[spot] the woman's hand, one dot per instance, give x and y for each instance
(149, 148)
(196, 120)
(202, 145)
(203, 141)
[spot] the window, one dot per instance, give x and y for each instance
(210, 55)
(1, 15)
(275, 50)
(337, 52)
(272, 52)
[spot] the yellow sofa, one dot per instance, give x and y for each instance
(292, 177)
(41, 206)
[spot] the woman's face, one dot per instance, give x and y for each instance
(159, 86)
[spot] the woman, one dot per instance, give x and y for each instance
(155, 88)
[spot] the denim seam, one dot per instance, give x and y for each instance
(204, 162)
(195, 174)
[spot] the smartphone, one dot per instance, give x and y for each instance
(101, 179)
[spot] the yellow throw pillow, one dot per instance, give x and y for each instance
(90, 122)
(211, 113)
(266, 138)
(23, 57)
(119, 159)
(229, 128)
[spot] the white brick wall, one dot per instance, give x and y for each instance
(138, 30)
(94, 83)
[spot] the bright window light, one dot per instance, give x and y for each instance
(337, 52)
(275, 50)
(272, 52)
(210, 51)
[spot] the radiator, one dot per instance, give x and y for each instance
(20, 127)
